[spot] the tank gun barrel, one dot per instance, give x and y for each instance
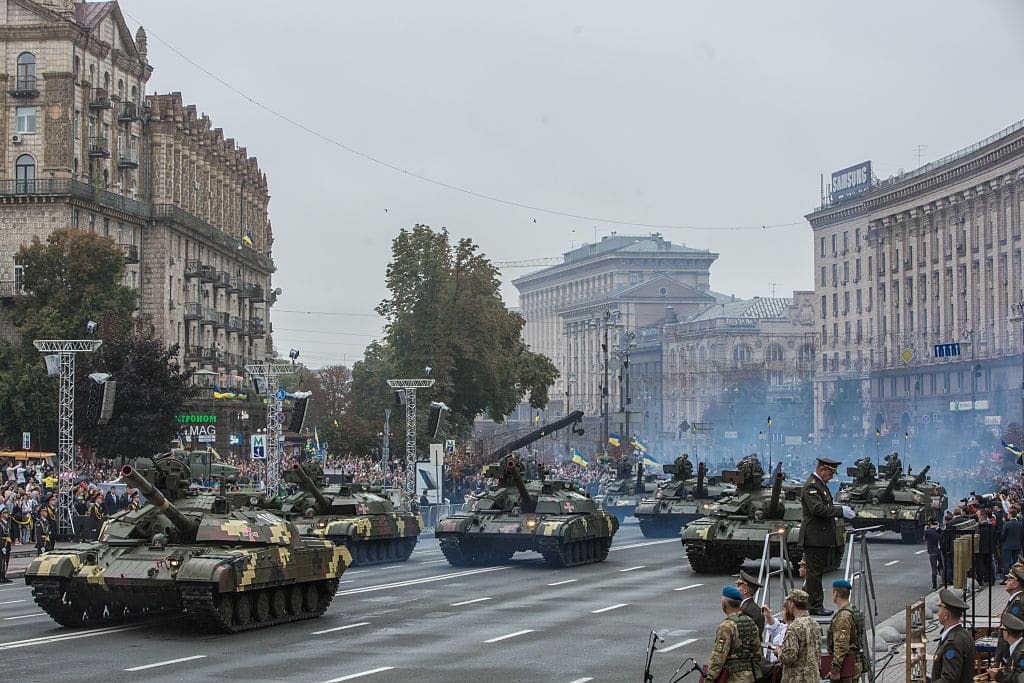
(921, 476)
(702, 473)
(640, 478)
(774, 507)
(894, 479)
(571, 419)
(527, 502)
(183, 524)
(309, 486)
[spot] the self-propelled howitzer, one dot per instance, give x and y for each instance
(680, 500)
(228, 567)
(904, 504)
(620, 496)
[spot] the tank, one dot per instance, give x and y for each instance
(525, 511)
(679, 500)
(736, 528)
(225, 564)
(620, 496)
(354, 515)
(897, 501)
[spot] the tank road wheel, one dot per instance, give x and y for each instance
(225, 605)
(310, 598)
(704, 560)
(278, 603)
(295, 600)
(51, 595)
(455, 552)
(243, 610)
(405, 548)
(603, 546)
(657, 527)
(261, 606)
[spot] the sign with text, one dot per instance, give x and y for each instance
(258, 447)
(852, 180)
(26, 441)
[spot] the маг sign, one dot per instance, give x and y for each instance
(851, 181)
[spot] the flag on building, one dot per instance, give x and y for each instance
(613, 439)
(579, 458)
(1017, 453)
(247, 239)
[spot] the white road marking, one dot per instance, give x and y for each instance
(434, 562)
(360, 674)
(357, 571)
(468, 602)
(629, 569)
(582, 680)
(510, 635)
(921, 551)
(391, 566)
(26, 616)
(889, 564)
(562, 583)
(608, 609)
(686, 588)
(643, 545)
(11, 602)
(339, 628)
(341, 582)
(47, 640)
(681, 643)
(168, 662)
(416, 582)
(15, 588)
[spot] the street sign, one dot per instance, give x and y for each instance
(449, 445)
(731, 435)
(258, 447)
(907, 355)
(234, 439)
(280, 418)
(279, 395)
(26, 441)
(947, 350)
(703, 426)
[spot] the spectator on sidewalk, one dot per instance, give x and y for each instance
(1010, 540)
(933, 538)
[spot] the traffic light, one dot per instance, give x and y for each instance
(435, 422)
(298, 414)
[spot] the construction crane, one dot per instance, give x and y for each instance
(530, 263)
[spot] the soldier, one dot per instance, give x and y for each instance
(894, 463)
(736, 644)
(1012, 670)
(954, 657)
(821, 535)
(865, 471)
(1014, 607)
(684, 468)
(845, 634)
(5, 543)
(44, 529)
(747, 586)
(800, 652)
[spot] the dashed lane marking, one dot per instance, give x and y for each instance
(416, 582)
(25, 616)
(681, 643)
(468, 602)
(608, 609)
(889, 564)
(582, 680)
(11, 602)
(562, 583)
(434, 562)
(368, 672)
(339, 628)
(921, 551)
(48, 640)
(510, 635)
(166, 663)
(630, 569)
(686, 588)
(645, 544)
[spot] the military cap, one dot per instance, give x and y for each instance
(829, 463)
(748, 579)
(732, 593)
(949, 600)
(797, 595)
(1017, 573)
(1011, 623)
(842, 583)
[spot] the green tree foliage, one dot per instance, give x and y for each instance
(28, 397)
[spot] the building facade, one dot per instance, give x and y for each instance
(83, 146)
(928, 259)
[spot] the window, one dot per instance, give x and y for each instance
(135, 94)
(26, 119)
(76, 124)
(120, 89)
(741, 353)
(775, 353)
(19, 277)
(822, 246)
(835, 244)
(77, 67)
(824, 305)
(92, 74)
(824, 278)
(25, 174)
(26, 74)
(846, 240)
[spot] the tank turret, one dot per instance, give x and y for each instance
(886, 494)
(921, 476)
(182, 524)
(302, 478)
(775, 509)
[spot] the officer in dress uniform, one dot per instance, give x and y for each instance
(748, 586)
(5, 543)
(954, 658)
(821, 533)
(736, 643)
(1014, 606)
(1012, 670)
(845, 634)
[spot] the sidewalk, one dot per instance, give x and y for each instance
(22, 556)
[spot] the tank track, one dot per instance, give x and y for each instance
(912, 534)
(61, 605)
(660, 526)
(248, 610)
(707, 560)
(462, 552)
(574, 553)
(378, 550)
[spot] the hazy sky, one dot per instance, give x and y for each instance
(678, 113)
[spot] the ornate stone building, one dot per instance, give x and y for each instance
(927, 258)
(81, 145)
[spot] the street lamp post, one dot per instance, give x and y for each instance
(969, 338)
(1017, 315)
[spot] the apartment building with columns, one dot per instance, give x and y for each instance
(917, 278)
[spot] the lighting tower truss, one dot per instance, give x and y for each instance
(270, 374)
(409, 386)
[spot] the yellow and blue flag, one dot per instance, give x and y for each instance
(316, 439)
(613, 439)
(649, 461)
(579, 458)
(1016, 452)
(640, 445)
(247, 238)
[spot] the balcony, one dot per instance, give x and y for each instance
(234, 323)
(220, 320)
(236, 285)
(256, 294)
(127, 112)
(99, 98)
(99, 148)
(221, 279)
(253, 328)
(127, 158)
(23, 87)
(193, 267)
(243, 288)
(10, 289)
(206, 273)
(209, 316)
(208, 355)
(131, 253)
(193, 353)
(193, 311)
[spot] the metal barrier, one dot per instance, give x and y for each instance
(917, 659)
(432, 514)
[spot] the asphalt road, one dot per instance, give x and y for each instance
(424, 620)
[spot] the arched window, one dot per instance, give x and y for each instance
(135, 95)
(26, 71)
(78, 67)
(92, 75)
(120, 89)
(106, 82)
(806, 354)
(741, 353)
(25, 174)
(774, 352)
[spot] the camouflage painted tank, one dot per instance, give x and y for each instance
(356, 516)
(680, 500)
(620, 496)
(552, 517)
(896, 501)
(228, 567)
(736, 528)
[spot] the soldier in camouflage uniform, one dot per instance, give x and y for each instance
(1012, 669)
(845, 634)
(736, 644)
(800, 652)
(684, 468)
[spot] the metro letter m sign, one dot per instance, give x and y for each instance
(258, 446)
(947, 350)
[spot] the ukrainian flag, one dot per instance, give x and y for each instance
(639, 445)
(579, 458)
(247, 238)
(613, 439)
(1014, 451)
(649, 462)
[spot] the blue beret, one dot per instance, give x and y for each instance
(842, 583)
(732, 592)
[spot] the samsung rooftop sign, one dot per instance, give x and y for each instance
(851, 181)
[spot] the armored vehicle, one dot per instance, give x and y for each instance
(619, 496)
(354, 515)
(679, 500)
(896, 501)
(526, 511)
(736, 528)
(203, 465)
(227, 566)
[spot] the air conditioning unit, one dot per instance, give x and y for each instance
(16, 139)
